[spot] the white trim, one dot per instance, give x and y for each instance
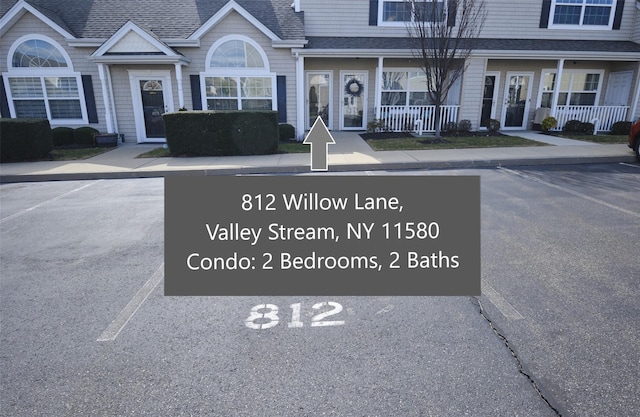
(19, 9)
(527, 105)
(238, 76)
(365, 98)
(307, 117)
(242, 38)
(123, 31)
(224, 12)
(28, 70)
(136, 96)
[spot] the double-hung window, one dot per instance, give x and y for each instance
(41, 83)
(404, 88)
(587, 14)
(238, 77)
(400, 12)
(577, 88)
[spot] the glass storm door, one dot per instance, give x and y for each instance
(152, 94)
(489, 97)
(318, 98)
(516, 101)
(353, 109)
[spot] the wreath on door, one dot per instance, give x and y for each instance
(353, 88)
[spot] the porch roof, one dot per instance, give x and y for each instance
(503, 48)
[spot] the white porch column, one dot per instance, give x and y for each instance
(636, 97)
(556, 88)
(180, 89)
(378, 87)
(104, 82)
(300, 96)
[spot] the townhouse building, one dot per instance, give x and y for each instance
(118, 65)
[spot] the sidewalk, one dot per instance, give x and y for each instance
(350, 153)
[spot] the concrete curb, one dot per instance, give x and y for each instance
(297, 169)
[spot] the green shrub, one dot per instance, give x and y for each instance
(287, 131)
(449, 128)
(587, 128)
(218, 133)
(621, 128)
(549, 123)
(572, 126)
(464, 126)
(84, 136)
(22, 139)
(62, 136)
(492, 125)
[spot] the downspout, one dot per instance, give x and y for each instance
(300, 111)
(556, 87)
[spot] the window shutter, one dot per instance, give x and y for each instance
(617, 19)
(4, 103)
(544, 16)
(451, 13)
(196, 94)
(90, 98)
(281, 82)
(373, 12)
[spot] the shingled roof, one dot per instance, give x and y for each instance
(168, 19)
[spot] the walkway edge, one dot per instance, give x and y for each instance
(297, 169)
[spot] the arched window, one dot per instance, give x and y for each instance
(41, 83)
(237, 76)
(37, 53)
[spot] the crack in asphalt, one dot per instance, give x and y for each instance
(514, 354)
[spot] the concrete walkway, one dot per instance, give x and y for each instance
(350, 153)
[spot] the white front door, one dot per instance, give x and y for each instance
(353, 103)
(618, 88)
(152, 97)
(319, 90)
(517, 97)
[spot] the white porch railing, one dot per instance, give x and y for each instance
(415, 118)
(603, 117)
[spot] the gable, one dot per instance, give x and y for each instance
(45, 16)
(132, 42)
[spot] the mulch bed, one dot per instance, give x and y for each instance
(399, 135)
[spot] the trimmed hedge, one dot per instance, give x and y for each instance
(62, 136)
(621, 128)
(84, 136)
(287, 132)
(222, 133)
(22, 139)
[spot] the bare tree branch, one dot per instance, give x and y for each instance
(445, 34)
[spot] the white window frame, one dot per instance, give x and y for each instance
(570, 72)
(580, 25)
(408, 90)
(382, 22)
(238, 73)
(42, 73)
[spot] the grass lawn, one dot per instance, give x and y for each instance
(460, 142)
(76, 153)
(283, 147)
(602, 138)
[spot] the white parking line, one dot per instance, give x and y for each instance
(25, 211)
(130, 309)
(567, 190)
(630, 165)
(500, 303)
